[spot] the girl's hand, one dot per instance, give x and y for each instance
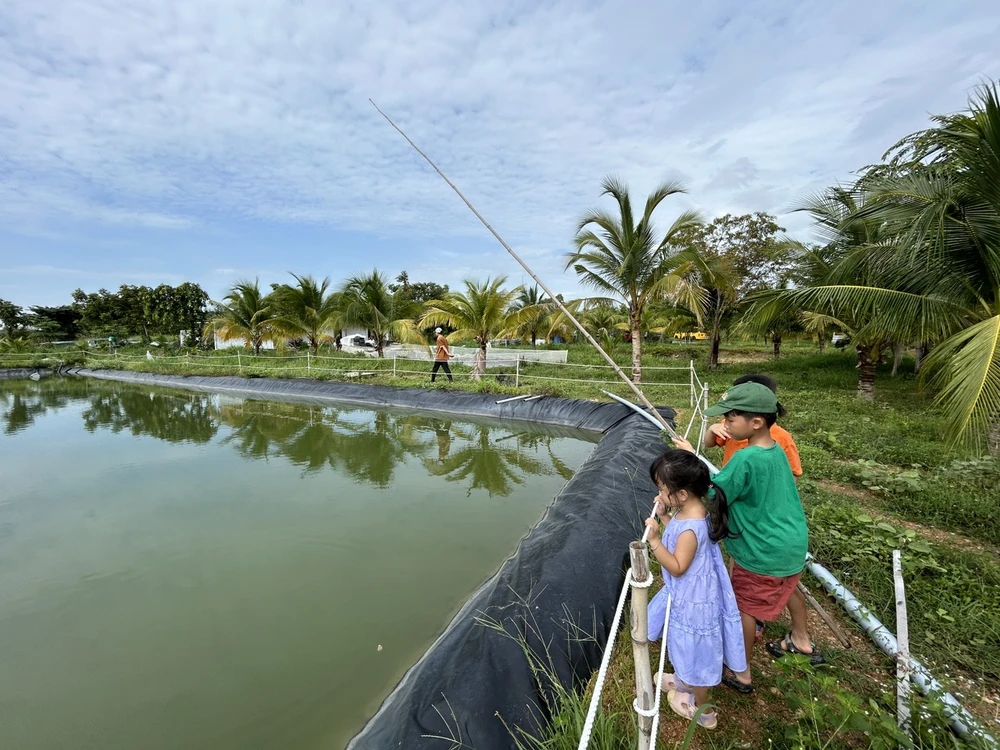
(654, 532)
(683, 444)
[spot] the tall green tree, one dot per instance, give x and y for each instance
(480, 313)
(306, 310)
(627, 260)
(11, 317)
(367, 301)
(736, 257)
(245, 314)
(533, 297)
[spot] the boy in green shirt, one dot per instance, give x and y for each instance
(769, 526)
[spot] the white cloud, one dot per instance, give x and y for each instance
(186, 116)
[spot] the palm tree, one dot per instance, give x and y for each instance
(626, 261)
(245, 314)
(481, 313)
(941, 198)
(366, 301)
(533, 297)
(306, 310)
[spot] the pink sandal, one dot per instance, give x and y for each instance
(668, 682)
(682, 704)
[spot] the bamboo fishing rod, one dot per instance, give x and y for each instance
(628, 381)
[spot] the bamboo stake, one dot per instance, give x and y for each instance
(825, 616)
(628, 381)
(903, 640)
(644, 687)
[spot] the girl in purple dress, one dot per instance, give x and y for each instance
(705, 630)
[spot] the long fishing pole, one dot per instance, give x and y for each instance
(635, 389)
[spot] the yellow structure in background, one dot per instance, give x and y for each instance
(691, 336)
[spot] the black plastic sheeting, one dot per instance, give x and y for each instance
(474, 687)
(20, 373)
(577, 413)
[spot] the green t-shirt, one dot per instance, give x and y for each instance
(766, 512)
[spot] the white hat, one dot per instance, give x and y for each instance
(437, 330)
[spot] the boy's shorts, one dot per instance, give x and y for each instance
(760, 596)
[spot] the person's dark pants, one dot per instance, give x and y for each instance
(442, 366)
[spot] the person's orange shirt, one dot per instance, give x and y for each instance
(780, 435)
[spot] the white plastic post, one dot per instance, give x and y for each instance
(394, 365)
(691, 394)
(903, 640)
(517, 370)
(308, 362)
(239, 362)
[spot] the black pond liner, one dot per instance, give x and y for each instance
(557, 592)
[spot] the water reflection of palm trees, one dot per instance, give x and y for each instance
(167, 416)
(367, 446)
(23, 401)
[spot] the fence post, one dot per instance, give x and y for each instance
(644, 688)
(517, 370)
(239, 362)
(308, 361)
(704, 392)
(903, 642)
(393, 365)
(691, 395)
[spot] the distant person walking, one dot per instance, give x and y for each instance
(441, 357)
(339, 340)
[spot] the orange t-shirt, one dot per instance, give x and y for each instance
(442, 354)
(780, 435)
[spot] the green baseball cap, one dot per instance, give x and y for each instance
(753, 398)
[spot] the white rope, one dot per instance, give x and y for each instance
(659, 676)
(644, 584)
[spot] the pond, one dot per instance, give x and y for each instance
(187, 570)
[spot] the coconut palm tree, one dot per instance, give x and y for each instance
(306, 310)
(535, 298)
(367, 302)
(245, 314)
(627, 261)
(482, 312)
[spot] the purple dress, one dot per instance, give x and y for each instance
(705, 629)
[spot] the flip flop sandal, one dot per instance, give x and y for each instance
(668, 682)
(682, 704)
(779, 648)
(730, 680)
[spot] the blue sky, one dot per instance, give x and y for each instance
(146, 142)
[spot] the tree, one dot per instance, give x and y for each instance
(481, 313)
(625, 260)
(832, 298)
(737, 256)
(245, 314)
(306, 310)
(11, 317)
(170, 310)
(940, 195)
(533, 297)
(366, 301)
(60, 323)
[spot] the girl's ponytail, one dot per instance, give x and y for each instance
(719, 515)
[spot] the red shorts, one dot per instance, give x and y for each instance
(762, 597)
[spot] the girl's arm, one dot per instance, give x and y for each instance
(677, 563)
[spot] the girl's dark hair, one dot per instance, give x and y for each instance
(768, 382)
(680, 470)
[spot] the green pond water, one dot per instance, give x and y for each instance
(186, 570)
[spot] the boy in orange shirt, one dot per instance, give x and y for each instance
(716, 435)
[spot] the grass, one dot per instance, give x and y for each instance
(878, 476)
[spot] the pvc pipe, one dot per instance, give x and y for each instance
(964, 724)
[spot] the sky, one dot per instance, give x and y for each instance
(160, 142)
